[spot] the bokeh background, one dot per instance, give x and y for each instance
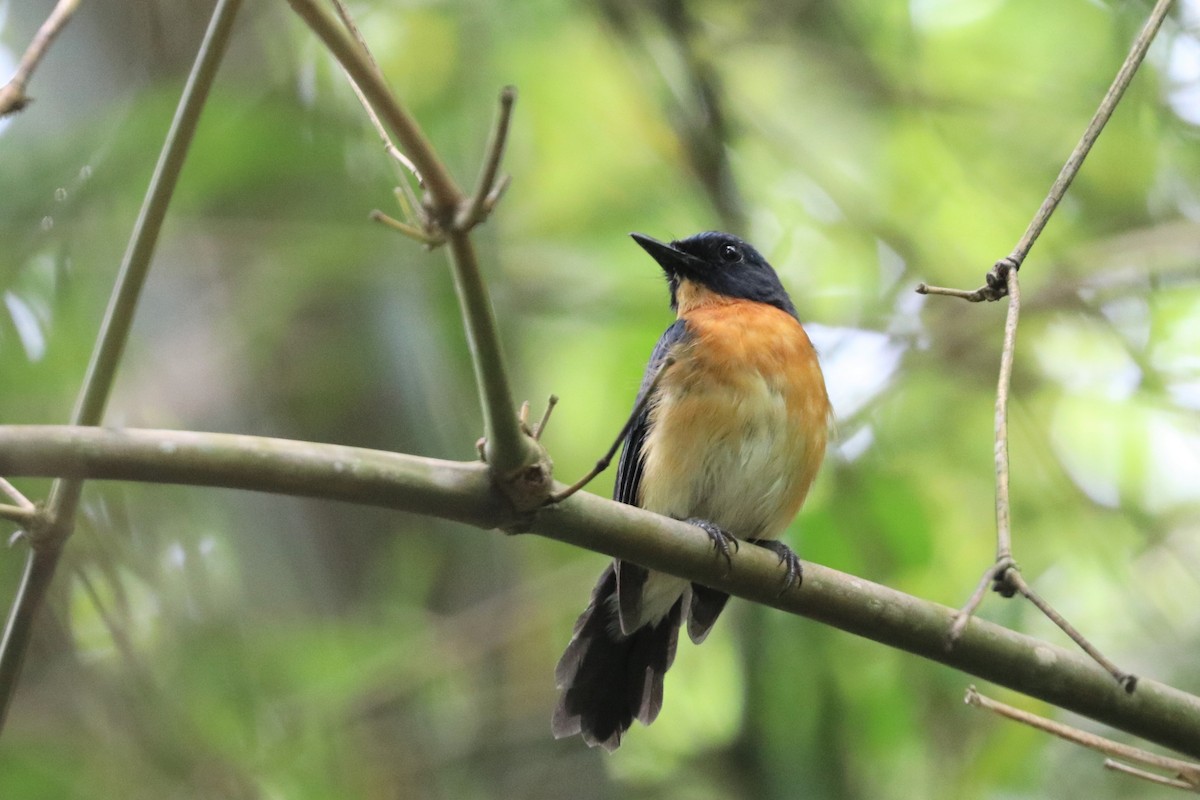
(206, 643)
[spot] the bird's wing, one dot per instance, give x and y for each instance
(629, 468)
(630, 577)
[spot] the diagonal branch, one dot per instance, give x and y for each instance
(1002, 281)
(12, 94)
(444, 194)
(50, 530)
(465, 492)
(1188, 773)
(994, 288)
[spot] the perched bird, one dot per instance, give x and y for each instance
(730, 439)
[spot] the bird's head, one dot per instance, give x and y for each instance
(711, 266)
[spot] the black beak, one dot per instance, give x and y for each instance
(673, 260)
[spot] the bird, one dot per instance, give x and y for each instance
(728, 432)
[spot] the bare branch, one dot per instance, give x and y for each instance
(465, 492)
(518, 462)
(12, 94)
(994, 287)
(55, 524)
(16, 496)
(444, 194)
(487, 190)
(606, 459)
(1188, 772)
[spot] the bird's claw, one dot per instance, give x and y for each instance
(794, 571)
(722, 540)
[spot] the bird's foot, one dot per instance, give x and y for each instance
(794, 574)
(722, 540)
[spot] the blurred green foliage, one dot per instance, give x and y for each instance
(207, 643)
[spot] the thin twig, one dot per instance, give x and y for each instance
(12, 94)
(1187, 771)
(963, 615)
(551, 402)
(975, 296)
(1000, 423)
(393, 151)
(47, 539)
(1161, 780)
(16, 496)
(1014, 578)
(411, 231)
(19, 514)
(1003, 574)
(996, 572)
(477, 208)
(607, 458)
(994, 288)
(444, 194)
(1108, 105)
(1002, 281)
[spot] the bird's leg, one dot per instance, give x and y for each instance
(794, 571)
(722, 540)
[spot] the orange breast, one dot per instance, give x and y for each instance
(741, 421)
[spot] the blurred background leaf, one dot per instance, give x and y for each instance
(206, 643)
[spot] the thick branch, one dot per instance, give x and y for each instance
(464, 492)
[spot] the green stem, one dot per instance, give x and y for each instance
(507, 447)
(56, 523)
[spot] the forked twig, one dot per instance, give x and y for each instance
(1001, 281)
(1183, 774)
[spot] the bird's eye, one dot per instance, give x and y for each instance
(730, 253)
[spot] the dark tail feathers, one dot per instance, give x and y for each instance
(607, 680)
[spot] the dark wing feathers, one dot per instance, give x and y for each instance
(630, 577)
(629, 468)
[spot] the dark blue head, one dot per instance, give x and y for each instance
(721, 263)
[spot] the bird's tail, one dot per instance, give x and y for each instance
(607, 679)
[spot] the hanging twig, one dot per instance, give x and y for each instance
(1002, 281)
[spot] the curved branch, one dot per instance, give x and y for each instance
(464, 492)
